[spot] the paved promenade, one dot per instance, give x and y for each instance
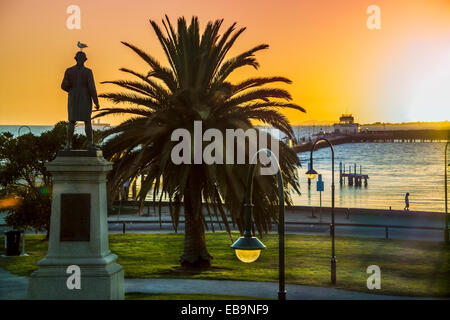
(13, 287)
(304, 215)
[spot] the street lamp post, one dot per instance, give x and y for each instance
(248, 248)
(446, 208)
(311, 173)
(24, 229)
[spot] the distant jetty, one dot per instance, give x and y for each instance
(375, 136)
(347, 131)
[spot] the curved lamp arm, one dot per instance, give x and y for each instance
(312, 150)
(249, 212)
(249, 191)
(25, 126)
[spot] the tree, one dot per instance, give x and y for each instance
(195, 87)
(25, 184)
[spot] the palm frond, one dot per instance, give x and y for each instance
(131, 98)
(194, 85)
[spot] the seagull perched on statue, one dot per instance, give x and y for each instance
(81, 45)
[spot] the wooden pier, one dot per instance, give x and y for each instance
(353, 178)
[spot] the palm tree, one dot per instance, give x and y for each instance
(195, 87)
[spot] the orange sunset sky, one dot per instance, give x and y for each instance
(400, 73)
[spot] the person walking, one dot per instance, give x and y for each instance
(407, 202)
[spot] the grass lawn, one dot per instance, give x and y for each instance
(410, 268)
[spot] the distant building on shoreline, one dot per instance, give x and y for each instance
(346, 125)
(96, 125)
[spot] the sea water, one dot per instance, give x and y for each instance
(393, 170)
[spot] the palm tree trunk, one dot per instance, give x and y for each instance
(195, 253)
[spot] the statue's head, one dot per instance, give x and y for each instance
(80, 57)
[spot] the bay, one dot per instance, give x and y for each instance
(393, 169)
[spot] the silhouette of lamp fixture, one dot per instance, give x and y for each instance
(248, 248)
(311, 173)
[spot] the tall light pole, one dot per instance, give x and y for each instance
(25, 228)
(446, 208)
(311, 175)
(248, 248)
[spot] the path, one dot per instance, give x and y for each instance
(247, 288)
(356, 216)
(303, 214)
(13, 287)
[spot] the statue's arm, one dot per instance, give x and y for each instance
(66, 85)
(92, 89)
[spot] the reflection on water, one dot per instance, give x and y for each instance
(393, 169)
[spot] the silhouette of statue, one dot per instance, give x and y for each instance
(79, 83)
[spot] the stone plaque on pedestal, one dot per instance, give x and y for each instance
(75, 217)
(78, 232)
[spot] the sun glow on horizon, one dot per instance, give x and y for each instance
(400, 73)
(430, 101)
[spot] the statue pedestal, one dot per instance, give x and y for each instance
(78, 233)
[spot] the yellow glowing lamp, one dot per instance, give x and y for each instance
(311, 173)
(248, 248)
(248, 256)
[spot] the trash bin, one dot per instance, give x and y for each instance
(12, 243)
